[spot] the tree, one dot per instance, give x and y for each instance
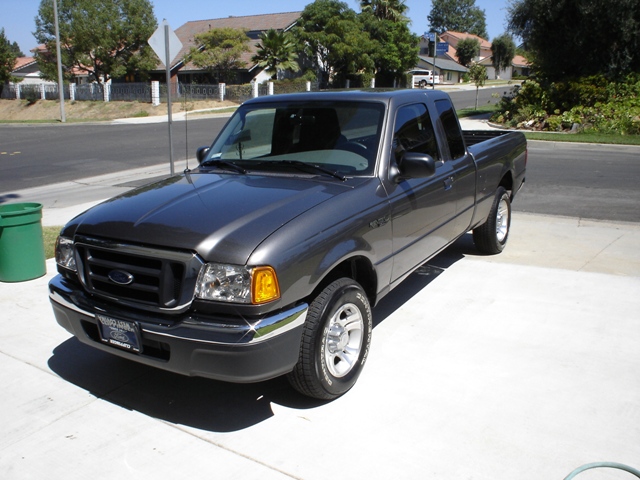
(458, 16)
(276, 52)
(478, 75)
(7, 60)
(396, 46)
(334, 39)
(385, 9)
(15, 48)
(574, 38)
(466, 50)
(104, 38)
(220, 51)
(503, 49)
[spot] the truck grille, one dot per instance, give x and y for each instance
(148, 278)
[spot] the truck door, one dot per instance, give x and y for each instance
(422, 209)
(463, 177)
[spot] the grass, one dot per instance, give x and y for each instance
(585, 137)
(472, 112)
(49, 235)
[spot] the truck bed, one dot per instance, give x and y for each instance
(472, 137)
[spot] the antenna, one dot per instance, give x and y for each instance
(186, 132)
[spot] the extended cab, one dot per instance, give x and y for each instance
(267, 258)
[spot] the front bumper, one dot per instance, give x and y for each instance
(252, 350)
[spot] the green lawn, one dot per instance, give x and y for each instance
(50, 234)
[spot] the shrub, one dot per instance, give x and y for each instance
(592, 102)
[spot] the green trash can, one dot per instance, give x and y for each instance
(21, 242)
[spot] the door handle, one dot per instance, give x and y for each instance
(448, 183)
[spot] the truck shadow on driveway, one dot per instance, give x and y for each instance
(208, 404)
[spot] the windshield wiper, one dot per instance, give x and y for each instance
(223, 164)
(300, 164)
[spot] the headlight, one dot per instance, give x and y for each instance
(65, 253)
(237, 284)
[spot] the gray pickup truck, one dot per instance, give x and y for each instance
(267, 258)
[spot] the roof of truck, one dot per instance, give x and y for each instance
(378, 95)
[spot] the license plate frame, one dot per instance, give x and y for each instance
(118, 333)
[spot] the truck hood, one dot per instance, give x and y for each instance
(221, 217)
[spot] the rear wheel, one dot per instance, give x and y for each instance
(491, 237)
(335, 341)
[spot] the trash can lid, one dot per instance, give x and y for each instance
(12, 212)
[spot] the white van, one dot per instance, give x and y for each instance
(422, 78)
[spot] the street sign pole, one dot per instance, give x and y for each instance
(167, 46)
(168, 69)
(435, 48)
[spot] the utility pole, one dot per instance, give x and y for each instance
(63, 118)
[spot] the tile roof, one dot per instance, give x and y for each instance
(484, 44)
(520, 61)
(22, 62)
(253, 23)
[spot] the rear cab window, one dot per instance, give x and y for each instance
(451, 127)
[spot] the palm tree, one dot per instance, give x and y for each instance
(276, 52)
(385, 9)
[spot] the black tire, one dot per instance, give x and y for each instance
(491, 237)
(335, 342)
(423, 84)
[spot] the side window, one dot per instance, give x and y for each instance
(414, 132)
(451, 128)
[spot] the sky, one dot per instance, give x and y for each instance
(17, 17)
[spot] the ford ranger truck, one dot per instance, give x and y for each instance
(267, 258)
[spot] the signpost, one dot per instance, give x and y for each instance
(166, 44)
(434, 36)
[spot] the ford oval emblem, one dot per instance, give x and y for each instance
(119, 336)
(120, 277)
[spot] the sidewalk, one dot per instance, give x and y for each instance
(520, 365)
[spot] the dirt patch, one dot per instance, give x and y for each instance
(49, 110)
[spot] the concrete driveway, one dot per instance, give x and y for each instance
(519, 366)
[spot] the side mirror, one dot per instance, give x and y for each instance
(415, 165)
(201, 153)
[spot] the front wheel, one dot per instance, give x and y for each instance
(335, 341)
(491, 237)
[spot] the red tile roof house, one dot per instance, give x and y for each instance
(27, 70)
(254, 24)
(520, 66)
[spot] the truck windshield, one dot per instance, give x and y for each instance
(342, 137)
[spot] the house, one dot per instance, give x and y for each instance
(521, 66)
(452, 38)
(254, 24)
(447, 65)
(27, 70)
